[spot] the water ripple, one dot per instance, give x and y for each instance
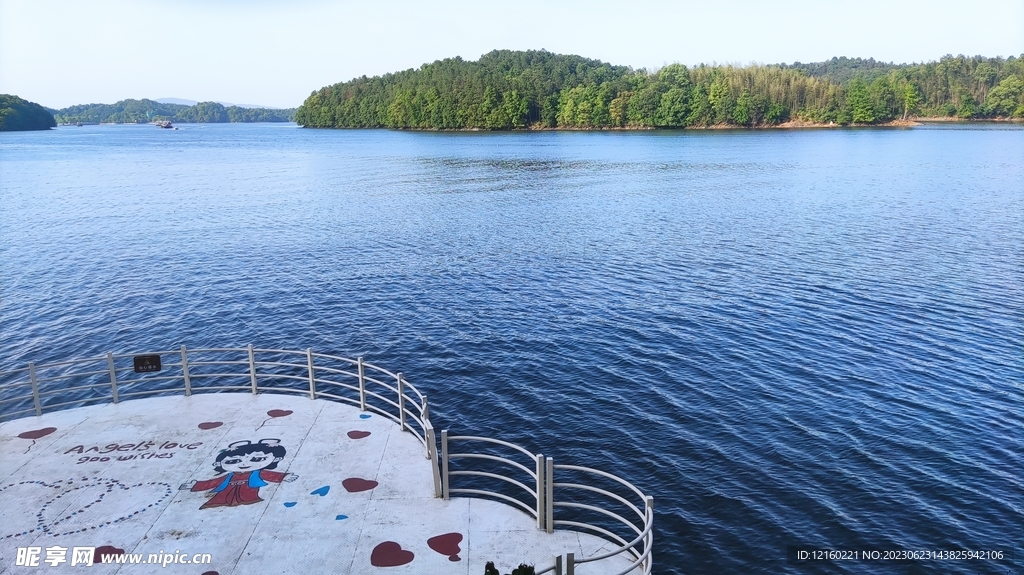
(787, 338)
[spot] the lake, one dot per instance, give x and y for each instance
(805, 337)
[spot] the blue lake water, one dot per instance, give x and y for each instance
(787, 337)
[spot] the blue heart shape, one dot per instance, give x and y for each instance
(322, 491)
(364, 416)
(289, 504)
(340, 517)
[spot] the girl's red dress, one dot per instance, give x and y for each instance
(236, 488)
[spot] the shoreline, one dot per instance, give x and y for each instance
(789, 125)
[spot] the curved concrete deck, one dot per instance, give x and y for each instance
(358, 493)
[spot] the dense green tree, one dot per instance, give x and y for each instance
(700, 107)
(143, 111)
(510, 90)
(643, 106)
(741, 111)
(1006, 99)
(204, 113)
(911, 99)
(968, 107)
(238, 114)
(674, 108)
(617, 109)
(862, 111)
(17, 114)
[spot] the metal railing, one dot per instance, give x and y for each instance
(590, 500)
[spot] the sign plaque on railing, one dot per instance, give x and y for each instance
(146, 363)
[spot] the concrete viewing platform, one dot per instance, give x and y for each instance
(262, 483)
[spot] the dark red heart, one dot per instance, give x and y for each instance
(390, 554)
(97, 555)
(37, 433)
(279, 412)
(447, 544)
(210, 424)
(358, 434)
(355, 484)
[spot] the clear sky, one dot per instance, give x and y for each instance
(275, 52)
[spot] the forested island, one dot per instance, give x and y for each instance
(17, 114)
(144, 111)
(506, 90)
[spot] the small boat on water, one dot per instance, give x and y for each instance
(163, 124)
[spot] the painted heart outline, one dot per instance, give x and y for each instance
(60, 484)
(111, 487)
(72, 486)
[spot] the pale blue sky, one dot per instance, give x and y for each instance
(275, 52)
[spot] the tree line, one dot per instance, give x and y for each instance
(517, 89)
(17, 114)
(144, 111)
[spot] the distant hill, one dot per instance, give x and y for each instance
(842, 70)
(507, 90)
(185, 102)
(17, 114)
(144, 111)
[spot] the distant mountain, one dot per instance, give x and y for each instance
(18, 115)
(184, 102)
(841, 70)
(144, 111)
(179, 101)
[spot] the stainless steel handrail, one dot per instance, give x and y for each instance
(399, 401)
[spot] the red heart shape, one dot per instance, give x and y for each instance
(358, 434)
(355, 484)
(279, 412)
(37, 433)
(447, 544)
(97, 555)
(390, 554)
(210, 424)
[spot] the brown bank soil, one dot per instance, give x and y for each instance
(803, 124)
(791, 124)
(949, 120)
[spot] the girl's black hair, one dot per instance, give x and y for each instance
(276, 450)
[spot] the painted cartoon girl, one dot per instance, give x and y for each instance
(247, 466)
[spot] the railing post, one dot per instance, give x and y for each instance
(401, 401)
(426, 421)
(558, 565)
(252, 369)
(570, 564)
(362, 385)
(650, 534)
(444, 464)
(35, 387)
(312, 378)
(432, 455)
(113, 376)
(540, 491)
(549, 496)
(184, 372)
